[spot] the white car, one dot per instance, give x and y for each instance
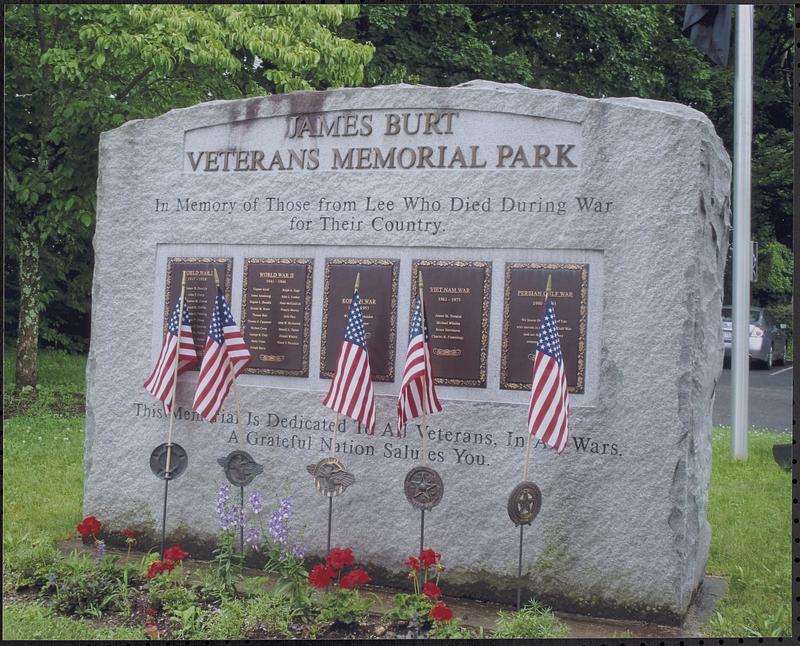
(767, 342)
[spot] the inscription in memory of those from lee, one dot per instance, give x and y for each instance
(522, 315)
(378, 292)
(200, 292)
(456, 296)
(276, 315)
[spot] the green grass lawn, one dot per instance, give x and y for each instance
(749, 509)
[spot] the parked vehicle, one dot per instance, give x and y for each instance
(767, 342)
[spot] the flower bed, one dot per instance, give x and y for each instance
(161, 596)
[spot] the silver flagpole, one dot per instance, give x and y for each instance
(742, 137)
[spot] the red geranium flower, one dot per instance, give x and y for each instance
(428, 558)
(339, 558)
(175, 553)
(321, 575)
(128, 533)
(441, 612)
(89, 526)
(412, 562)
(353, 578)
(430, 589)
(159, 566)
(151, 612)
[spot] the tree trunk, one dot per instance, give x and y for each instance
(29, 286)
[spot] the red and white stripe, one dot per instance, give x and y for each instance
(548, 414)
(414, 400)
(351, 391)
(222, 363)
(161, 381)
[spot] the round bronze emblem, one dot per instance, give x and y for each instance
(524, 503)
(423, 487)
(330, 476)
(240, 468)
(177, 462)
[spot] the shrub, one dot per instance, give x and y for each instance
(170, 595)
(227, 623)
(224, 570)
(532, 621)
(84, 585)
(273, 612)
(28, 561)
(451, 629)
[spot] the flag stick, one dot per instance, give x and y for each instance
(168, 466)
(333, 443)
(547, 291)
(238, 426)
(233, 372)
(175, 381)
(423, 428)
(336, 423)
(527, 457)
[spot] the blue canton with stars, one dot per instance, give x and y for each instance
(220, 318)
(416, 322)
(354, 330)
(548, 337)
(173, 320)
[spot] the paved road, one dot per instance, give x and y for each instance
(770, 402)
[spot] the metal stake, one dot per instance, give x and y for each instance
(164, 516)
(241, 527)
(421, 530)
(519, 569)
(330, 520)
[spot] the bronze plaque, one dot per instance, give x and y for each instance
(378, 291)
(276, 315)
(200, 293)
(522, 319)
(456, 294)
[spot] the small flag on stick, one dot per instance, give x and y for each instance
(417, 392)
(226, 356)
(351, 390)
(548, 415)
(161, 381)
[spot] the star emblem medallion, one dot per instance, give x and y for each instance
(524, 503)
(423, 488)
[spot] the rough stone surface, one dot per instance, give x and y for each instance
(622, 529)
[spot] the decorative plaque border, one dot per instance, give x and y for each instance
(309, 263)
(380, 262)
(172, 260)
(487, 290)
(579, 387)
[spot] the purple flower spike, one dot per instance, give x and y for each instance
(256, 502)
(253, 537)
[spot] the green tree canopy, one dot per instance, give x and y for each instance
(600, 51)
(73, 71)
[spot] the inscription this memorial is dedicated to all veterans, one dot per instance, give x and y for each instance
(486, 190)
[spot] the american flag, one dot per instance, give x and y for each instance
(351, 390)
(415, 400)
(548, 415)
(161, 381)
(226, 355)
